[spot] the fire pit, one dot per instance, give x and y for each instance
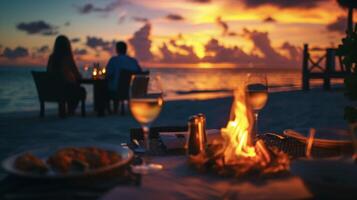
(237, 153)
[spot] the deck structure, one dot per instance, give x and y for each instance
(324, 67)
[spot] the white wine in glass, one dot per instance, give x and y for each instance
(257, 94)
(146, 109)
(145, 102)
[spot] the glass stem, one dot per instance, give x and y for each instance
(256, 115)
(146, 131)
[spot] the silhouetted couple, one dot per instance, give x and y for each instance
(61, 63)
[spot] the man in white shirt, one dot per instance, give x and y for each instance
(118, 63)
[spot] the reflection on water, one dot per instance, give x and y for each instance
(18, 92)
(212, 83)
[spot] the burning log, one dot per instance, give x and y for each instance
(236, 154)
(267, 161)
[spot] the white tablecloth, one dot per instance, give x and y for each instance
(178, 181)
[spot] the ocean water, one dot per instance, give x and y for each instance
(18, 92)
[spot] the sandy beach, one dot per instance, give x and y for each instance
(294, 110)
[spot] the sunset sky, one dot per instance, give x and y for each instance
(203, 33)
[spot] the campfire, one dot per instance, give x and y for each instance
(237, 153)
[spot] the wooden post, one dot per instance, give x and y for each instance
(83, 107)
(42, 109)
(350, 21)
(329, 67)
(305, 68)
(122, 109)
(62, 109)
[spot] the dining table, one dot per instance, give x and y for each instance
(99, 93)
(176, 180)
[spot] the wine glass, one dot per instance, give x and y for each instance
(145, 102)
(257, 94)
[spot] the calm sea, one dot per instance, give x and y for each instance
(18, 92)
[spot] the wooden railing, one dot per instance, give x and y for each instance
(314, 69)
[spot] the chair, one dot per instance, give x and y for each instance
(122, 94)
(51, 89)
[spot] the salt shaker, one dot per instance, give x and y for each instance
(202, 125)
(196, 138)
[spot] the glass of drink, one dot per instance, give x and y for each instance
(145, 102)
(257, 94)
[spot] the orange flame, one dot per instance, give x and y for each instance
(236, 154)
(237, 132)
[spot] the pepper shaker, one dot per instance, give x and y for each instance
(196, 138)
(202, 125)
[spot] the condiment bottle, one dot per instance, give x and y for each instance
(196, 138)
(202, 126)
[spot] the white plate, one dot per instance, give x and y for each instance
(43, 153)
(324, 137)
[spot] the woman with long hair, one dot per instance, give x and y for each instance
(61, 63)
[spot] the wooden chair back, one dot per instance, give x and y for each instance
(49, 88)
(124, 83)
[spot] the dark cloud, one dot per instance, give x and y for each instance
(18, 52)
(262, 43)
(109, 48)
(263, 52)
(223, 25)
(283, 3)
(43, 49)
(80, 52)
(95, 42)
(216, 53)
(339, 25)
(141, 43)
(75, 40)
(174, 17)
(67, 23)
(141, 19)
(293, 51)
(98, 43)
(184, 54)
(121, 18)
(37, 27)
(317, 48)
(200, 1)
(225, 28)
(269, 20)
(91, 8)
